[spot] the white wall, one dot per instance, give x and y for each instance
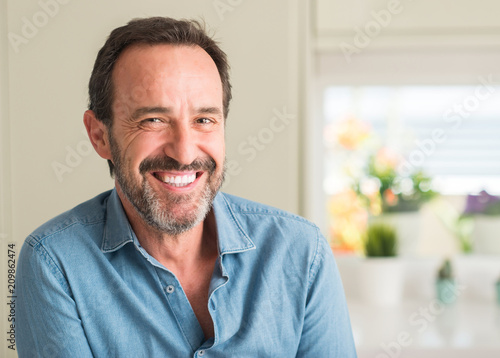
(47, 97)
(407, 23)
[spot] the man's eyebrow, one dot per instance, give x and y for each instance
(209, 110)
(166, 110)
(147, 110)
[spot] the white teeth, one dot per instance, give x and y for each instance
(178, 180)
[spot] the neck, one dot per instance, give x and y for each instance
(178, 253)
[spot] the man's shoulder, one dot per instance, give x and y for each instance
(87, 213)
(257, 211)
(285, 235)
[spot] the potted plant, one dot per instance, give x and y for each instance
(381, 241)
(445, 284)
(381, 274)
(395, 196)
(497, 287)
(484, 210)
(394, 189)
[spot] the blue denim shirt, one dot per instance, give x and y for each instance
(86, 288)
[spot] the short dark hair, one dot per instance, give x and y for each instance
(149, 31)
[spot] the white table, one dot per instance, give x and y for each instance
(427, 329)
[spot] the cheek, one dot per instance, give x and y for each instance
(216, 149)
(139, 148)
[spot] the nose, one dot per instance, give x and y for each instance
(181, 144)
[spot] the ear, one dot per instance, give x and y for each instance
(98, 134)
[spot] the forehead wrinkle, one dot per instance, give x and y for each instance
(151, 79)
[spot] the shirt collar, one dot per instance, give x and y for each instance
(117, 229)
(231, 236)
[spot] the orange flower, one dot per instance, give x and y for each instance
(390, 198)
(348, 221)
(351, 133)
(386, 161)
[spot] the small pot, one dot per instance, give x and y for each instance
(446, 290)
(381, 280)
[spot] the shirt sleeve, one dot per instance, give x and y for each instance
(48, 324)
(327, 329)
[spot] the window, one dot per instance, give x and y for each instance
(407, 96)
(452, 133)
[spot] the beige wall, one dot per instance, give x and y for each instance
(5, 209)
(49, 75)
(49, 69)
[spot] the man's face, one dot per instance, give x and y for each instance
(167, 137)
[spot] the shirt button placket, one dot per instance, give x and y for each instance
(170, 289)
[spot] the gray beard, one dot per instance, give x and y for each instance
(153, 210)
(162, 220)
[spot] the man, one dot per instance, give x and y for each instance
(165, 265)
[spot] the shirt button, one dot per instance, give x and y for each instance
(201, 353)
(170, 289)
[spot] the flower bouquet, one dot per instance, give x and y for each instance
(369, 181)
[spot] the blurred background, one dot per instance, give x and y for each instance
(377, 120)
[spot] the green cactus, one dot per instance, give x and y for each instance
(446, 286)
(381, 240)
(446, 271)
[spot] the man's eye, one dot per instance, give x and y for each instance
(204, 121)
(150, 121)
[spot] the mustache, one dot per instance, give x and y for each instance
(165, 163)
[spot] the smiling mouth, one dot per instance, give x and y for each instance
(177, 181)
